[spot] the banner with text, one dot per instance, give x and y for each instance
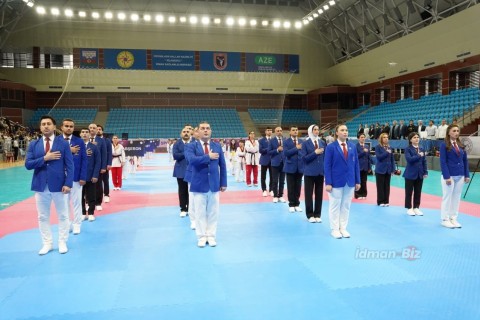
(173, 60)
(89, 58)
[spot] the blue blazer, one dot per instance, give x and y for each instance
(453, 164)
(207, 175)
(55, 173)
(263, 145)
(293, 157)
(108, 144)
(416, 165)
(276, 158)
(93, 160)
(313, 163)
(364, 159)
(385, 163)
(187, 153)
(338, 171)
(79, 159)
(181, 162)
(102, 147)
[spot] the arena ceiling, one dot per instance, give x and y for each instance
(347, 28)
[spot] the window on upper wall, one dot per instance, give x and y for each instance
(25, 60)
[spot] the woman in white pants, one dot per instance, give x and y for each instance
(240, 162)
(454, 164)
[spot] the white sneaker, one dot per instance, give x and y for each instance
(106, 199)
(318, 220)
(62, 247)
(76, 229)
(84, 217)
(387, 205)
(282, 200)
(192, 225)
(99, 208)
(91, 217)
(275, 200)
(345, 233)
(264, 194)
(448, 224)
(183, 214)
(410, 212)
(455, 223)
(249, 185)
(382, 205)
(271, 193)
(418, 212)
(211, 241)
(312, 220)
(336, 234)
(45, 249)
(291, 209)
(298, 209)
(202, 242)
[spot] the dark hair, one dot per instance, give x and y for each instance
(46, 116)
(67, 119)
(411, 135)
(448, 142)
(85, 129)
(99, 126)
(242, 141)
(293, 127)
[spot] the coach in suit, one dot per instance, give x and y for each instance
(105, 177)
(79, 154)
(364, 161)
(180, 168)
(52, 161)
(293, 168)
(93, 172)
(265, 160)
(102, 148)
(188, 175)
(209, 176)
(415, 172)
(278, 176)
(342, 177)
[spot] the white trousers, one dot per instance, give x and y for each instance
(340, 200)
(207, 206)
(240, 171)
(191, 205)
(44, 200)
(451, 197)
(75, 198)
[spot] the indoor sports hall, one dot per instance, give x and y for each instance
(144, 69)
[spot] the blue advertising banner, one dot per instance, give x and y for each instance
(265, 62)
(219, 61)
(134, 148)
(127, 59)
(293, 63)
(89, 58)
(173, 60)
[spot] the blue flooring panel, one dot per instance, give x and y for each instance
(269, 264)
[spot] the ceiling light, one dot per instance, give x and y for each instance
(277, 24)
(108, 15)
(193, 20)
(264, 23)
(171, 19)
(325, 7)
(41, 10)
(305, 21)
(217, 20)
(134, 17)
(242, 22)
(253, 22)
(205, 20)
(230, 21)
(310, 18)
(82, 14)
(30, 3)
(121, 16)
(147, 17)
(287, 24)
(55, 11)
(95, 15)
(331, 2)
(68, 12)
(298, 25)
(320, 11)
(159, 18)
(183, 19)
(315, 15)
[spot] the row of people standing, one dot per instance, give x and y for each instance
(400, 130)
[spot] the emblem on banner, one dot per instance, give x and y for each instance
(89, 58)
(220, 61)
(125, 59)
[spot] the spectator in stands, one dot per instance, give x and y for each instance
(330, 137)
(395, 131)
(16, 147)
(252, 159)
(431, 130)
(277, 157)
(403, 130)
(422, 130)
(342, 178)
(442, 130)
(105, 178)
(455, 173)
(360, 130)
(384, 168)
(411, 128)
(293, 168)
(386, 128)
(240, 164)
(364, 161)
(313, 157)
(415, 172)
(371, 132)
(378, 130)
(265, 159)
(366, 131)
(118, 159)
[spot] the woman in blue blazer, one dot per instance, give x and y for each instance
(415, 172)
(384, 167)
(454, 164)
(364, 162)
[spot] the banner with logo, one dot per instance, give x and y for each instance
(264, 62)
(134, 148)
(173, 60)
(127, 59)
(220, 61)
(89, 58)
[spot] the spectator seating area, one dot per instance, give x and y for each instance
(283, 117)
(167, 122)
(432, 107)
(80, 116)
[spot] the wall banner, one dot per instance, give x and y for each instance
(220, 61)
(126, 59)
(173, 60)
(89, 58)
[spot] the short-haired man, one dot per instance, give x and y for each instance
(209, 176)
(52, 161)
(442, 130)
(180, 168)
(278, 176)
(79, 154)
(105, 176)
(102, 148)
(93, 172)
(195, 137)
(293, 168)
(265, 159)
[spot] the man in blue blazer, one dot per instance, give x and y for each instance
(180, 168)
(209, 176)
(52, 161)
(264, 144)
(364, 162)
(188, 175)
(102, 147)
(106, 176)
(275, 151)
(342, 178)
(293, 167)
(79, 154)
(93, 172)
